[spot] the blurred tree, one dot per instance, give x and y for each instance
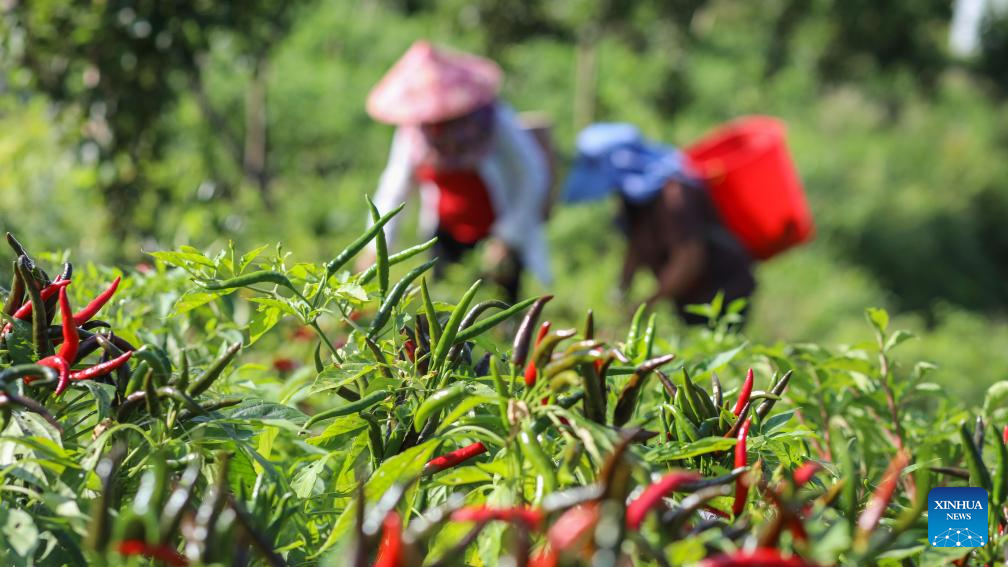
(993, 58)
(125, 62)
(865, 37)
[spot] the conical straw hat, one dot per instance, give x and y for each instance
(429, 84)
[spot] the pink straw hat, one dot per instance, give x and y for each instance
(430, 84)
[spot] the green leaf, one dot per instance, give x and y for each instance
(20, 531)
(463, 476)
(879, 318)
(261, 410)
(306, 479)
(264, 319)
(402, 467)
(898, 338)
(338, 432)
(196, 298)
(676, 452)
(718, 361)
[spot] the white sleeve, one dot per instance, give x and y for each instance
(526, 170)
(396, 184)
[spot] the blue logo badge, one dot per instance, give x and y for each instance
(957, 517)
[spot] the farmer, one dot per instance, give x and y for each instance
(483, 179)
(670, 223)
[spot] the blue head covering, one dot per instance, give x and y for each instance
(615, 157)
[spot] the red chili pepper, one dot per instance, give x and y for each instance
(390, 550)
(716, 512)
(530, 370)
(741, 460)
(25, 311)
(883, 494)
(163, 553)
(805, 473)
(410, 347)
(652, 495)
(573, 526)
(85, 315)
(284, 365)
(68, 350)
(531, 517)
(101, 369)
(1004, 434)
(744, 394)
(57, 364)
(760, 557)
(454, 458)
(546, 558)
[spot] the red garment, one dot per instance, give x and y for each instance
(464, 208)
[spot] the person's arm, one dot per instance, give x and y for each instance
(680, 231)
(528, 169)
(682, 272)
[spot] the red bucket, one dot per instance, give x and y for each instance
(754, 185)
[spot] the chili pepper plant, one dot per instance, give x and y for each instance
(239, 409)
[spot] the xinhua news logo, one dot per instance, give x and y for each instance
(957, 517)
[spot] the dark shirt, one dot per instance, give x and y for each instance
(679, 238)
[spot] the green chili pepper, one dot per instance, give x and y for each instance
(594, 393)
(151, 399)
(477, 329)
(979, 475)
(19, 250)
(180, 398)
(544, 350)
(716, 389)
(589, 326)
(649, 335)
(157, 360)
(634, 333)
(381, 249)
(1000, 481)
(543, 465)
(433, 323)
(693, 403)
(375, 444)
(501, 388)
(777, 390)
(470, 319)
(357, 245)
(432, 406)
(447, 338)
(631, 392)
(684, 427)
(40, 324)
(350, 408)
(394, 296)
(213, 373)
(176, 504)
(17, 292)
(397, 258)
(100, 530)
(136, 381)
(262, 276)
(25, 370)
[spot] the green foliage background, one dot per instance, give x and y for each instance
(900, 148)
